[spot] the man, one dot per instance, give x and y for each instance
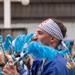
(51, 33)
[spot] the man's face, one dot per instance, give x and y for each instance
(42, 36)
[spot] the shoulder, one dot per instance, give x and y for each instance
(56, 61)
(57, 64)
(37, 62)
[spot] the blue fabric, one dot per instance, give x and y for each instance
(54, 66)
(22, 71)
(36, 62)
(73, 72)
(1, 73)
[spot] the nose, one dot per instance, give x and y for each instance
(35, 37)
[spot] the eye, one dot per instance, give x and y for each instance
(40, 33)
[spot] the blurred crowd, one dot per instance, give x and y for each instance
(41, 53)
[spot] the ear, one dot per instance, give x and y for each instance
(52, 39)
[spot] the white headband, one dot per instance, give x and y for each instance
(52, 28)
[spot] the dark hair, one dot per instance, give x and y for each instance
(61, 26)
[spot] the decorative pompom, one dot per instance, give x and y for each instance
(1, 39)
(63, 52)
(21, 40)
(7, 44)
(41, 51)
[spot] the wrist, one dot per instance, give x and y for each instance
(20, 68)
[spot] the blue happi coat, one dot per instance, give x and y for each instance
(55, 66)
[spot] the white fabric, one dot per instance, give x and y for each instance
(52, 28)
(13, 43)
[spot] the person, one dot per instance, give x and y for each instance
(51, 33)
(73, 56)
(73, 50)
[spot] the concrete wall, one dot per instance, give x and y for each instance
(70, 31)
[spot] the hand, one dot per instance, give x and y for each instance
(10, 69)
(2, 60)
(27, 61)
(73, 65)
(7, 56)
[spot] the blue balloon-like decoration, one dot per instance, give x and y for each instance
(7, 44)
(1, 39)
(42, 51)
(1, 73)
(34, 48)
(39, 50)
(27, 40)
(28, 37)
(21, 40)
(1, 42)
(47, 52)
(67, 43)
(62, 52)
